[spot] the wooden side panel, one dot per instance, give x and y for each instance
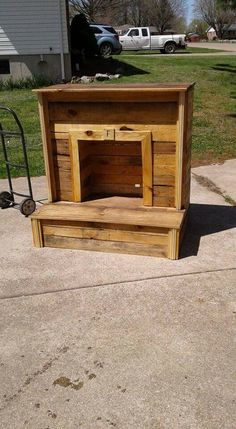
(47, 146)
(179, 150)
(186, 176)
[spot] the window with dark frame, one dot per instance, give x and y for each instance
(4, 67)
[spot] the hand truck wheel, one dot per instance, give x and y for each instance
(6, 199)
(27, 206)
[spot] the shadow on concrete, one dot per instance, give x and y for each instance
(204, 220)
(94, 65)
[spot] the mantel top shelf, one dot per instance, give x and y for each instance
(167, 87)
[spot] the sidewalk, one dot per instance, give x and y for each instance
(95, 340)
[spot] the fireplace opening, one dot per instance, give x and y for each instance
(103, 167)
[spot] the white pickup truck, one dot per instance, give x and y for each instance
(139, 38)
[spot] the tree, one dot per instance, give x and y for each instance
(165, 13)
(216, 15)
(94, 9)
(198, 26)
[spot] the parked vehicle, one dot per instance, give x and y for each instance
(138, 38)
(107, 39)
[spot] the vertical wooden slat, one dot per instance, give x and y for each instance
(179, 151)
(147, 170)
(173, 245)
(37, 233)
(75, 167)
(47, 147)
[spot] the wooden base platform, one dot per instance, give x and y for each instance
(115, 224)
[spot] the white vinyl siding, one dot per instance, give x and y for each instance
(32, 27)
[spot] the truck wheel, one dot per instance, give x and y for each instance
(162, 51)
(170, 48)
(105, 49)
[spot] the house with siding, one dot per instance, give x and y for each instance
(34, 39)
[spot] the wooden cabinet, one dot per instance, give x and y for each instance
(115, 149)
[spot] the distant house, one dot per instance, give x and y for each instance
(230, 33)
(211, 33)
(34, 39)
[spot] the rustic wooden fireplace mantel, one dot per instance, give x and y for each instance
(117, 161)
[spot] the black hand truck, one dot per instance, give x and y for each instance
(7, 199)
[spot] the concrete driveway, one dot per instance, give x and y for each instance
(225, 46)
(96, 340)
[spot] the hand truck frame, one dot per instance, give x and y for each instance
(7, 198)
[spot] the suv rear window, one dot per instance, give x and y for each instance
(96, 30)
(111, 30)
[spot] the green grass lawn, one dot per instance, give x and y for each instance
(214, 124)
(188, 50)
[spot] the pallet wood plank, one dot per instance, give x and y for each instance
(105, 246)
(144, 216)
(106, 234)
(147, 170)
(47, 147)
(179, 151)
(160, 132)
(37, 233)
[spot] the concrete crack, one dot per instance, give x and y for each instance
(211, 186)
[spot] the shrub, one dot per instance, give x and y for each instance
(30, 82)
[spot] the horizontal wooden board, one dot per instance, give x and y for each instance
(105, 246)
(164, 148)
(127, 170)
(106, 234)
(115, 148)
(62, 161)
(114, 96)
(164, 159)
(62, 175)
(60, 146)
(123, 179)
(107, 213)
(64, 195)
(120, 161)
(116, 189)
(160, 132)
(83, 113)
(164, 201)
(100, 225)
(146, 89)
(163, 191)
(159, 179)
